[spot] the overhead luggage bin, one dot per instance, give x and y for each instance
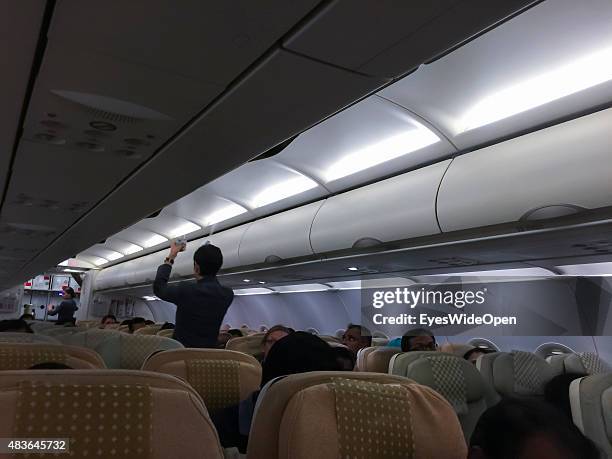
(401, 207)
(558, 171)
(281, 236)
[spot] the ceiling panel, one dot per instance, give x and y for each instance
(528, 60)
(202, 40)
(370, 140)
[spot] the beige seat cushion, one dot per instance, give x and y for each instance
(129, 352)
(9, 337)
(221, 377)
(166, 333)
(20, 356)
(90, 338)
(457, 349)
(109, 413)
(251, 344)
(375, 359)
(305, 415)
(148, 330)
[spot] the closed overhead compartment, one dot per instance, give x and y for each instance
(558, 171)
(401, 207)
(279, 237)
(229, 242)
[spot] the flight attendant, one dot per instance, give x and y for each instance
(65, 311)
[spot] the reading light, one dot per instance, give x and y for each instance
(227, 212)
(132, 248)
(112, 256)
(386, 150)
(154, 240)
(283, 190)
(353, 268)
(576, 76)
(246, 280)
(183, 229)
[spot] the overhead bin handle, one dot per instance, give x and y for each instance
(551, 211)
(365, 242)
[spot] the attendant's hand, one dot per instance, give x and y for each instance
(175, 249)
(50, 307)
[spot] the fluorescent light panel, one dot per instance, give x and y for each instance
(378, 153)
(155, 240)
(581, 74)
(227, 212)
(67, 270)
(184, 229)
(252, 291)
(98, 261)
(112, 256)
(132, 248)
(283, 190)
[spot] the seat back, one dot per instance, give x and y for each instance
(557, 363)
(148, 330)
(166, 333)
(587, 363)
(221, 377)
(516, 373)
(379, 342)
(110, 413)
(21, 356)
(330, 339)
(375, 359)
(591, 402)
(251, 344)
(456, 349)
(60, 330)
(10, 337)
(129, 352)
(90, 338)
(453, 377)
(326, 415)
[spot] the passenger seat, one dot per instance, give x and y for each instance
(20, 356)
(591, 402)
(453, 377)
(109, 413)
(9, 337)
(330, 415)
(129, 352)
(251, 344)
(375, 359)
(221, 377)
(586, 363)
(90, 338)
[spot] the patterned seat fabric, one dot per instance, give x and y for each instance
(221, 377)
(8, 337)
(587, 363)
(251, 344)
(20, 356)
(108, 414)
(453, 377)
(375, 359)
(130, 351)
(357, 415)
(89, 339)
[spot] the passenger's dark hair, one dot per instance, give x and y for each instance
(365, 332)
(26, 317)
(126, 322)
(235, 332)
(209, 258)
(344, 358)
(273, 329)
(108, 316)
(413, 334)
(298, 352)
(469, 353)
(504, 429)
(134, 321)
(556, 392)
(167, 326)
(149, 322)
(15, 325)
(50, 366)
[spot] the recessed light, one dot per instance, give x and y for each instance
(353, 268)
(261, 282)
(283, 190)
(246, 280)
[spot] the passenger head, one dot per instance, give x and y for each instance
(136, 323)
(418, 339)
(344, 358)
(356, 337)
(236, 333)
(15, 326)
(26, 317)
(556, 392)
(272, 336)
(50, 366)
(298, 352)
(149, 322)
(108, 320)
(207, 260)
(473, 354)
(222, 339)
(527, 429)
(167, 326)
(69, 293)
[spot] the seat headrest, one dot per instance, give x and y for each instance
(251, 344)
(148, 330)
(453, 377)
(325, 415)
(379, 342)
(10, 337)
(89, 338)
(591, 403)
(121, 350)
(166, 332)
(456, 349)
(109, 413)
(587, 363)
(520, 373)
(377, 359)
(221, 377)
(21, 356)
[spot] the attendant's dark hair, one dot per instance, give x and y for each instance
(209, 259)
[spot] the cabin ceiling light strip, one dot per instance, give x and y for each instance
(252, 291)
(150, 298)
(154, 240)
(73, 270)
(132, 248)
(227, 212)
(112, 256)
(381, 152)
(99, 261)
(283, 190)
(183, 229)
(571, 78)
